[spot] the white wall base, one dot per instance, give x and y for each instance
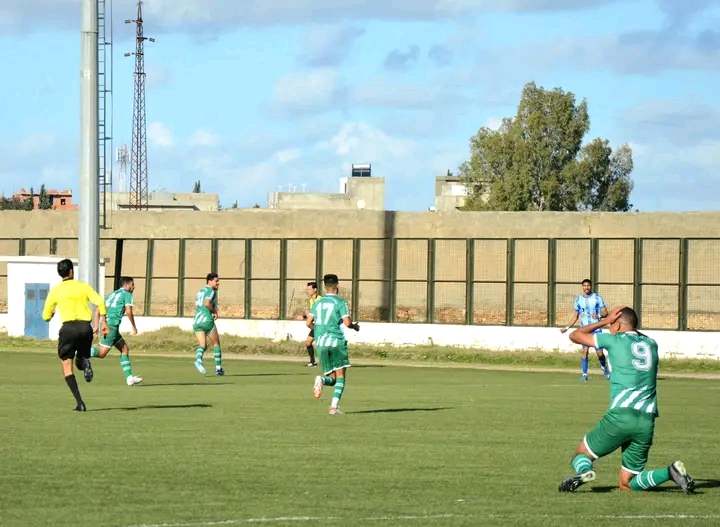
(676, 344)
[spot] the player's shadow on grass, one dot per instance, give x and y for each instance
(153, 407)
(261, 374)
(707, 483)
(401, 410)
(147, 385)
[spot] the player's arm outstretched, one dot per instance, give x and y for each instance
(571, 323)
(584, 335)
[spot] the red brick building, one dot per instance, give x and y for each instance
(59, 199)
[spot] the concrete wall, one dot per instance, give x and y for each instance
(255, 223)
(197, 201)
(676, 344)
(357, 193)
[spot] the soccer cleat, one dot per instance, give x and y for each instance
(219, 372)
(681, 478)
(572, 483)
(199, 367)
(606, 373)
(335, 411)
(311, 364)
(87, 370)
(80, 407)
(317, 387)
(133, 380)
(584, 377)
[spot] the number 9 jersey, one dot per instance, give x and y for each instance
(633, 359)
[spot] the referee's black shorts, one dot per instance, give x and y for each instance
(75, 336)
(312, 333)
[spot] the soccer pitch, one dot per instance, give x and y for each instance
(416, 446)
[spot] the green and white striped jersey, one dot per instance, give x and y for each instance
(115, 304)
(633, 359)
(202, 313)
(328, 313)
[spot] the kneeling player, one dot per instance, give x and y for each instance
(119, 303)
(206, 333)
(325, 317)
(629, 423)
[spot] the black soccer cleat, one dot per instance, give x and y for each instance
(80, 407)
(219, 372)
(681, 478)
(87, 370)
(572, 483)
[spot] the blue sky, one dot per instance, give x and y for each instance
(251, 96)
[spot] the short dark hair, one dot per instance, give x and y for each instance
(312, 284)
(586, 281)
(211, 276)
(64, 267)
(629, 317)
(330, 279)
(125, 280)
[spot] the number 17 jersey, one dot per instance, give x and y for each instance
(633, 359)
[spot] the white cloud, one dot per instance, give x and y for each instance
(160, 135)
(362, 142)
(203, 137)
(493, 123)
(287, 155)
(308, 90)
(329, 45)
(205, 16)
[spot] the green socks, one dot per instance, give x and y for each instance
(337, 394)
(199, 354)
(94, 352)
(125, 365)
(328, 381)
(581, 464)
(647, 479)
(217, 354)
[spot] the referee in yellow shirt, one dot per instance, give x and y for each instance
(313, 296)
(76, 334)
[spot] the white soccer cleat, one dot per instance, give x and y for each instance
(335, 411)
(133, 380)
(317, 387)
(199, 367)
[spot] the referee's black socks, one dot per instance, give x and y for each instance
(72, 384)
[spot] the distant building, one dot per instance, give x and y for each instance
(359, 191)
(451, 193)
(59, 199)
(199, 201)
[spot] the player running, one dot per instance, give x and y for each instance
(589, 307)
(119, 303)
(206, 311)
(326, 316)
(73, 298)
(629, 423)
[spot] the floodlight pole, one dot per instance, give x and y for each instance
(88, 229)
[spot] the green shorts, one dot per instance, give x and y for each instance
(627, 429)
(113, 337)
(334, 358)
(206, 327)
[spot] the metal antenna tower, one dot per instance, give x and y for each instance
(123, 159)
(138, 155)
(104, 103)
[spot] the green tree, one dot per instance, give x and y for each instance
(29, 205)
(197, 189)
(45, 201)
(537, 161)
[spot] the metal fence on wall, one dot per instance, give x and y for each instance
(673, 283)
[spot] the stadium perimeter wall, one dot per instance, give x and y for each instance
(672, 344)
(273, 223)
(284, 224)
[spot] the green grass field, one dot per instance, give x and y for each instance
(416, 446)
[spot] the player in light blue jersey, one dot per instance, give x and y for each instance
(589, 308)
